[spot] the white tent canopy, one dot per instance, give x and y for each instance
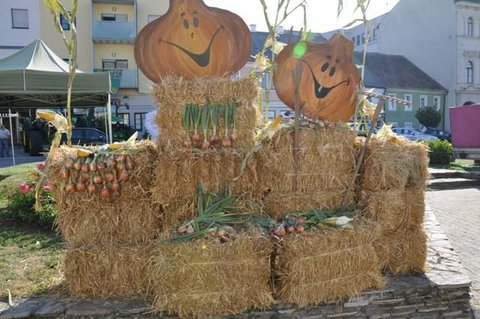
(36, 77)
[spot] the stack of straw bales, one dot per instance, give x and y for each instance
(206, 278)
(179, 169)
(328, 265)
(173, 94)
(393, 194)
(108, 239)
(316, 178)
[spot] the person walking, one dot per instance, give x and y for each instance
(4, 136)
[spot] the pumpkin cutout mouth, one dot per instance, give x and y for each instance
(322, 91)
(201, 59)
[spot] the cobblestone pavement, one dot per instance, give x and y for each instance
(458, 211)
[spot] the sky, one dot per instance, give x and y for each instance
(321, 14)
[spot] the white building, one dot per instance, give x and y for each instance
(19, 25)
(441, 37)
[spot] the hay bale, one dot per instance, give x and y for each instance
(279, 205)
(206, 278)
(326, 161)
(395, 164)
(395, 209)
(107, 271)
(132, 217)
(174, 93)
(327, 266)
(402, 252)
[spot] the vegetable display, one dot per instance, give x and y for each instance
(210, 118)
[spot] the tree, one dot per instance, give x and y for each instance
(428, 116)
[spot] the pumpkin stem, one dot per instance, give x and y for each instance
(290, 35)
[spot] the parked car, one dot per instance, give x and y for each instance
(443, 135)
(86, 136)
(413, 134)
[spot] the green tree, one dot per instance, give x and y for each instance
(428, 116)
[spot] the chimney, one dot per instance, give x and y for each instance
(253, 28)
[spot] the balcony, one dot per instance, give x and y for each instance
(122, 78)
(113, 32)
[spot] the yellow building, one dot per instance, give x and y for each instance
(106, 35)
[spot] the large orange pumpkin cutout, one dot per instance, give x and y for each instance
(328, 79)
(193, 40)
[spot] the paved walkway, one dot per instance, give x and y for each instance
(458, 211)
(20, 158)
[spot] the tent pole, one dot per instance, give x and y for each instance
(109, 114)
(11, 135)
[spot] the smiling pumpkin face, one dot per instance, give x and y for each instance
(328, 79)
(193, 40)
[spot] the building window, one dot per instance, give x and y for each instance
(139, 120)
(114, 17)
(375, 34)
(19, 19)
(469, 71)
(436, 102)
(408, 125)
(64, 22)
(423, 100)
(392, 105)
(152, 17)
(125, 118)
(470, 27)
(408, 107)
(358, 39)
(114, 64)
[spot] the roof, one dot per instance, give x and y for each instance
(35, 76)
(395, 71)
(258, 39)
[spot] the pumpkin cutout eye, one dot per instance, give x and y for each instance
(327, 82)
(219, 46)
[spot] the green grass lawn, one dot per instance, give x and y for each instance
(31, 258)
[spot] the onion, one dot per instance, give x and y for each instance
(91, 188)
(290, 229)
(234, 137)
(116, 187)
(105, 193)
(206, 145)
(109, 177)
(213, 139)
(80, 186)
(182, 229)
(195, 138)
(84, 177)
(280, 231)
(129, 163)
(69, 162)
(77, 165)
(119, 166)
(70, 188)
(123, 176)
(74, 174)
(190, 229)
(188, 143)
(299, 229)
(85, 168)
(221, 233)
(227, 142)
(97, 179)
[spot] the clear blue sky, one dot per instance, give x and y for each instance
(321, 14)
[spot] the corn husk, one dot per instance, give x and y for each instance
(206, 278)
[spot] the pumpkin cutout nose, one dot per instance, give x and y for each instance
(325, 66)
(332, 71)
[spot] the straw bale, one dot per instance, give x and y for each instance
(395, 164)
(326, 161)
(107, 271)
(402, 252)
(279, 205)
(174, 93)
(179, 172)
(395, 209)
(207, 278)
(132, 217)
(327, 266)
(419, 166)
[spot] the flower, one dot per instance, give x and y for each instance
(47, 187)
(25, 188)
(41, 166)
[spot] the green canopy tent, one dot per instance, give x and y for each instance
(35, 77)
